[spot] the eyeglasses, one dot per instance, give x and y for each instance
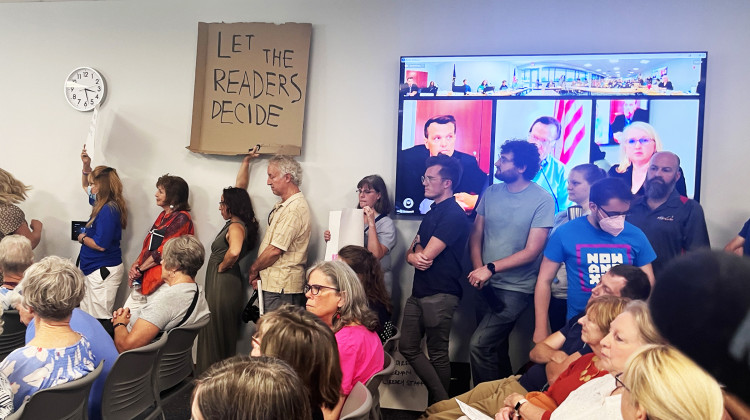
(256, 339)
(642, 141)
(430, 179)
(221, 203)
(620, 383)
(614, 213)
(315, 288)
(538, 139)
(270, 215)
(361, 191)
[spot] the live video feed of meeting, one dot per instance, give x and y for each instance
(594, 97)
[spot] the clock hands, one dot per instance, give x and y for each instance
(75, 85)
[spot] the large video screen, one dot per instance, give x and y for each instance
(613, 110)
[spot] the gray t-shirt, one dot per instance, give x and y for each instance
(508, 217)
(167, 309)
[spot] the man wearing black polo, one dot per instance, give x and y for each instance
(674, 224)
(436, 255)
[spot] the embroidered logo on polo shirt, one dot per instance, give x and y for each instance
(666, 218)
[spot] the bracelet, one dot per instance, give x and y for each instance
(118, 324)
(138, 269)
(82, 239)
(85, 173)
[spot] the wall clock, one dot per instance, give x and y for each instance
(85, 88)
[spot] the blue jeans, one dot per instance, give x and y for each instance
(489, 343)
(429, 316)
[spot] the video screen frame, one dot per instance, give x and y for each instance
(507, 87)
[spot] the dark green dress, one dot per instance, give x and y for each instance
(225, 297)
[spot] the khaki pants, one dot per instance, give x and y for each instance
(487, 396)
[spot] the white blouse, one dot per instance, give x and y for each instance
(591, 400)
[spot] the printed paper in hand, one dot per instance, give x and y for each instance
(91, 137)
(347, 228)
(471, 412)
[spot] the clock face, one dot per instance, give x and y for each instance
(84, 88)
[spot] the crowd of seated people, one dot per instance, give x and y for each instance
(596, 366)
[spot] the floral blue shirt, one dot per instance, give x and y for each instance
(32, 368)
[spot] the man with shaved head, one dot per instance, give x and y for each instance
(674, 224)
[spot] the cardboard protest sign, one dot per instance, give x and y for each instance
(250, 87)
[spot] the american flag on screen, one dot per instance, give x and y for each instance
(570, 115)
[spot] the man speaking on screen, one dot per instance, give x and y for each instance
(440, 137)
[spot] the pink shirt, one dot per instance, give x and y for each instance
(361, 355)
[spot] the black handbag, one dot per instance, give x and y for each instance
(251, 311)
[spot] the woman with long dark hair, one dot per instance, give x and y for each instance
(371, 275)
(224, 285)
(100, 257)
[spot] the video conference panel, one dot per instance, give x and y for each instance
(478, 102)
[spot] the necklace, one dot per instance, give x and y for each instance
(585, 375)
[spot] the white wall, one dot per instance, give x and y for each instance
(146, 51)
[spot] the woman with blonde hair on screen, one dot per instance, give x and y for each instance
(639, 141)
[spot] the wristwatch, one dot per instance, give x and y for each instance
(491, 267)
(520, 402)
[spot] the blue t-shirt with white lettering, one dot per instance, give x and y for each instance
(589, 252)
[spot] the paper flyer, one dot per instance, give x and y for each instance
(346, 227)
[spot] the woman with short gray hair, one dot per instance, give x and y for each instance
(56, 354)
(181, 304)
(15, 257)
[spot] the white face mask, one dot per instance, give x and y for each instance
(92, 196)
(613, 224)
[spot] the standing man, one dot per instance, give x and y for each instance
(283, 251)
(672, 223)
(440, 134)
(544, 134)
(589, 246)
(510, 230)
(436, 254)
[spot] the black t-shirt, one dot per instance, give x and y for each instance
(447, 222)
(675, 227)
